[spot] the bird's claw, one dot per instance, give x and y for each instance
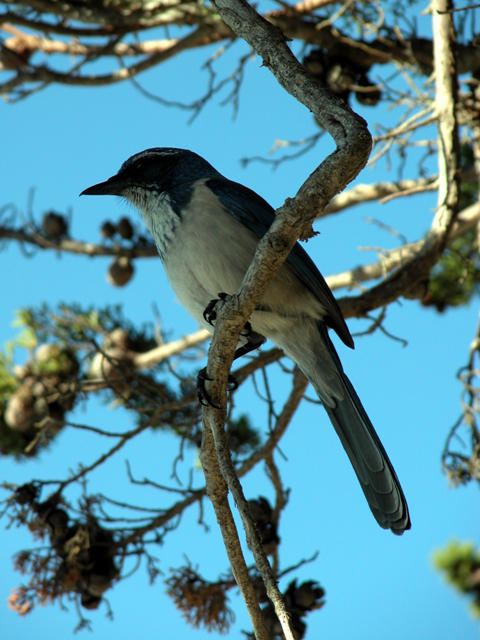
(202, 394)
(210, 315)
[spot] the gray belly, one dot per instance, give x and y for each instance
(210, 254)
(206, 258)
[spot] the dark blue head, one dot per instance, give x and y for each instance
(161, 169)
(159, 183)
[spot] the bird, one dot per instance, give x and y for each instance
(206, 229)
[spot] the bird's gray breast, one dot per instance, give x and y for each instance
(208, 253)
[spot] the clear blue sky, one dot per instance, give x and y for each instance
(378, 586)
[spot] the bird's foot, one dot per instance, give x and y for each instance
(210, 315)
(202, 394)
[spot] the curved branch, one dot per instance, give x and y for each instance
(293, 220)
(404, 278)
(46, 75)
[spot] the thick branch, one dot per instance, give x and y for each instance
(293, 221)
(446, 103)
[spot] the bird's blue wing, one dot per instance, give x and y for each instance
(257, 215)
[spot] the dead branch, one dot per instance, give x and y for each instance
(362, 193)
(394, 259)
(115, 23)
(420, 264)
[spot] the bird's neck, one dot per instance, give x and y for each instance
(161, 215)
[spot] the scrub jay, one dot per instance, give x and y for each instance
(206, 229)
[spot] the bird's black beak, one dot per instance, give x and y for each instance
(114, 186)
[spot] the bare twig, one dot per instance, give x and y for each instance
(418, 266)
(155, 356)
(300, 384)
(393, 259)
(32, 237)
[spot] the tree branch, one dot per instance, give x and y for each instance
(404, 278)
(46, 75)
(68, 245)
(217, 491)
(296, 21)
(393, 259)
(446, 104)
(159, 354)
(293, 220)
(362, 193)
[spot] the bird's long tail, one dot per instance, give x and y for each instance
(319, 361)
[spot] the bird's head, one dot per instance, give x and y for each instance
(153, 172)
